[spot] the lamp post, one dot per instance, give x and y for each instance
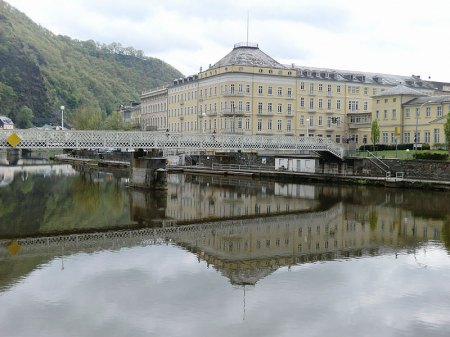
(307, 127)
(62, 117)
(416, 138)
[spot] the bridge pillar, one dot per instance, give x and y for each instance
(148, 172)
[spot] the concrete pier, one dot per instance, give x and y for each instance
(148, 172)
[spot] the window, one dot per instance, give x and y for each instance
(280, 108)
(302, 102)
(427, 136)
(385, 138)
(247, 123)
(338, 138)
(289, 108)
(320, 87)
(260, 108)
(320, 121)
(269, 124)
(394, 114)
(428, 112)
(289, 92)
(407, 113)
(366, 106)
(302, 85)
(311, 88)
(259, 124)
(247, 88)
(311, 104)
(288, 126)
(269, 91)
(338, 104)
(240, 106)
(240, 123)
(247, 106)
(436, 136)
(353, 105)
(320, 103)
(260, 89)
(329, 90)
(311, 121)
(302, 120)
(385, 114)
(280, 91)
(269, 108)
(240, 87)
(329, 104)
(231, 89)
(366, 90)
(338, 88)
(439, 111)
(406, 137)
(279, 125)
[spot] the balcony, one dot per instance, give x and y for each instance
(232, 112)
(232, 93)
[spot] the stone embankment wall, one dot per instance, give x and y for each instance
(412, 169)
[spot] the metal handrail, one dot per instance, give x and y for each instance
(71, 139)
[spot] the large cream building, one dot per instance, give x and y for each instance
(248, 92)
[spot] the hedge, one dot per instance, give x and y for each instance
(386, 147)
(430, 156)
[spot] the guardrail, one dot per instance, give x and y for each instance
(42, 139)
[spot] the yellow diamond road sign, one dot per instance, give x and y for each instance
(13, 140)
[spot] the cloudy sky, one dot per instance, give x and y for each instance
(401, 37)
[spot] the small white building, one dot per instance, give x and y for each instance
(296, 164)
(6, 123)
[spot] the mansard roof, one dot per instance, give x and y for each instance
(248, 54)
(400, 90)
(429, 99)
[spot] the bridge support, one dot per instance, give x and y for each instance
(148, 172)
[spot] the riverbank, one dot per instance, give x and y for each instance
(279, 175)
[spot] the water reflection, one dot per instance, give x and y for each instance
(287, 258)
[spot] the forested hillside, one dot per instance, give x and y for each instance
(43, 71)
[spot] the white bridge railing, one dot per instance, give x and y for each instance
(40, 139)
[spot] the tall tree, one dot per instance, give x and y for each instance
(24, 118)
(375, 133)
(447, 131)
(85, 118)
(115, 121)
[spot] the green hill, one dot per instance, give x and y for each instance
(43, 71)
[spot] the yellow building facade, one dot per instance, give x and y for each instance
(247, 92)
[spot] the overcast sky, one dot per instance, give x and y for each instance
(402, 37)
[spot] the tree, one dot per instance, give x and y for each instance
(85, 118)
(115, 121)
(447, 131)
(24, 118)
(374, 133)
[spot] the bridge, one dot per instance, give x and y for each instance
(132, 140)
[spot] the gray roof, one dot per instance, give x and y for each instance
(6, 120)
(400, 90)
(248, 55)
(430, 99)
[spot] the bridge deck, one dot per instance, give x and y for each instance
(42, 139)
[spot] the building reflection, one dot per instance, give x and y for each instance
(250, 252)
(247, 250)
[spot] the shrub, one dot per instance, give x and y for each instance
(386, 147)
(431, 156)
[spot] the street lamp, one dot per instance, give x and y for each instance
(307, 127)
(416, 138)
(62, 117)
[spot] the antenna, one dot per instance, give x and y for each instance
(247, 27)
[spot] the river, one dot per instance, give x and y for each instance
(82, 254)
